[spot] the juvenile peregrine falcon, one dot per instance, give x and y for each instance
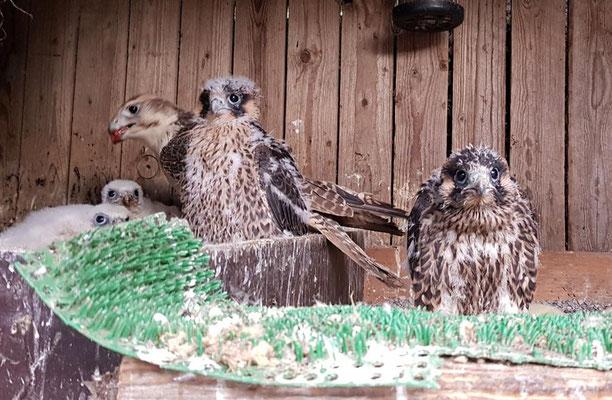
(473, 238)
(238, 183)
(152, 121)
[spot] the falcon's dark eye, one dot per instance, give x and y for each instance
(461, 176)
(233, 98)
(133, 109)
(136, 194)
(494, 174)
(101, 219)
(112, 194)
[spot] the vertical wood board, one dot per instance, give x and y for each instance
(13, 52)
(45, 147)
(420, 112)
(313, 50)
(590, 126)
(152, 68)
(259, 54)
(479, 85)
(206, 47)
(98, 93)
(537, 112)
(366, 104)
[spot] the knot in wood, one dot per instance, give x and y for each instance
(147, 166)
(305, 56)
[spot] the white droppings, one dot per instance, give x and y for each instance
(254, 317)
(297, 125)
(225, 324)
(155, 355)
(214, 312)
(161, 318)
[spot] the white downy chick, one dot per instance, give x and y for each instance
(130, 195)
(43, 227)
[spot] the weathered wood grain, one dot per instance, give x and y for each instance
(313, 51)
(537, 111)
(320, 96)
(566, 275)
(575, 275)
(289, 271)
(366, 104)
(40, 356)
(590, 126)
(479, 81)
(259, 54)
(49, 86)
(98, 93)
(152, 68)
(13, 51)
(206, 47)
(420, 111)
(392, 257)
(139, 380)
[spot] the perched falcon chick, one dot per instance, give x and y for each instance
(130, 195)
(150, 120)
(473, 238)
(238, 183)
(43, 227)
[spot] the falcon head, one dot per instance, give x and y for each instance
(476, 177)
(143, 117)
(233, 95)
(108, 214)
(123, 192)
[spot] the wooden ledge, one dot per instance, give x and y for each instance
(142, 381)
(567, 275)
(295, 271)
(564, 276)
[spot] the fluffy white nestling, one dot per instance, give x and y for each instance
(130, 195)
(43, 227)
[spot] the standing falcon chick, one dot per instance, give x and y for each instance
(43, 227)
(130, 195)
(238, 183)
(473, 238)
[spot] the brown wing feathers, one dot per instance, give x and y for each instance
(349, 208)
(279, 177)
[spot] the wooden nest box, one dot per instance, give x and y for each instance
(291, 271)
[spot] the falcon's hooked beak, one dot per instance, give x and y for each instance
(479, 191)
(478, 184)
(128, 201)
(218, 105)
(116, 132)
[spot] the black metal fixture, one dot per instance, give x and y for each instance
(428, 15)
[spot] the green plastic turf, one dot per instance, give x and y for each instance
(143, 289)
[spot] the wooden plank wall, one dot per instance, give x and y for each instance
(357, 104)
